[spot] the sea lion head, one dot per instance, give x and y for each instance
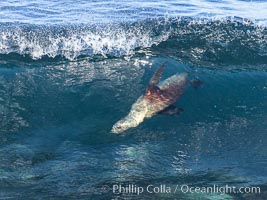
(133, 119)
(123, 125)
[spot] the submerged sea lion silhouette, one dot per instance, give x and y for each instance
(158, 99)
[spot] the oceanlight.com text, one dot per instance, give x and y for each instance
(219, 189)
(164, 188)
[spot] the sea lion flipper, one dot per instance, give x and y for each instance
(171, 110)
(195, 83)
(152, 86)
(157, 75)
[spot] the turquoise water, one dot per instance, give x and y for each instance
(70, 70)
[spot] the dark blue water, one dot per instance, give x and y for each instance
(69, 70)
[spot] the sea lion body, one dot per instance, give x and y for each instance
(159, 98)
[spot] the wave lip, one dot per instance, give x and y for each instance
(195, 40)
(73, 41)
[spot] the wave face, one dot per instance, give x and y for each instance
(187, 39)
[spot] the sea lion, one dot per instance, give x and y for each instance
(158, 99)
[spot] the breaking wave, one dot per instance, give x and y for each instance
(187, 39)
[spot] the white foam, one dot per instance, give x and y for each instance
(47, 41)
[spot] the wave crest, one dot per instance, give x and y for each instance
(73, 41)
(186, 39)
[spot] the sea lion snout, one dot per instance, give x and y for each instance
(119, 127)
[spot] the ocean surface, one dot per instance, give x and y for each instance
(71, 69)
